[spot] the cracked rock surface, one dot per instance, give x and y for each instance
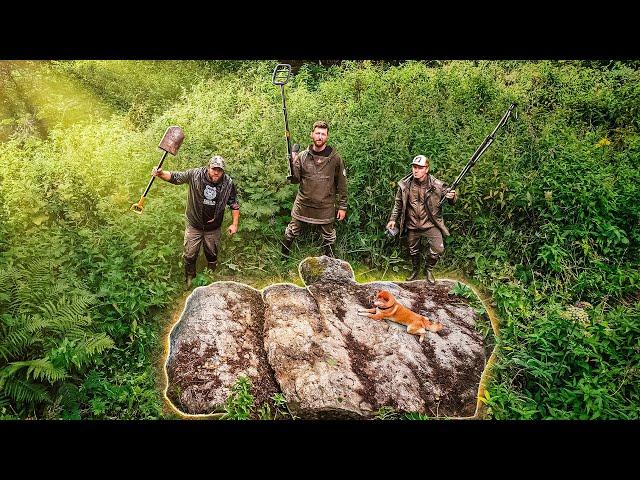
(310, 344)
(217, 339)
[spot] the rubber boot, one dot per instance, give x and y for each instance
(415, 263)
(328, 251)
(428, 269)
(286, 248)
(189, 274)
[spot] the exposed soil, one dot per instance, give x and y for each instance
(186, 368)
(359, 355)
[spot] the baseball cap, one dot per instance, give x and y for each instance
(216, 161)
(420, 160)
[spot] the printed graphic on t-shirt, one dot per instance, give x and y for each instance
(209, 195)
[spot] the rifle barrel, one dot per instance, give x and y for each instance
(480, 150)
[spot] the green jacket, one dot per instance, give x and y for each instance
(321, 180)
(434, 193)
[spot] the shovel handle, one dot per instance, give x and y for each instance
(152, 177)
(138, 207)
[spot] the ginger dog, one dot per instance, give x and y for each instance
(386, 306)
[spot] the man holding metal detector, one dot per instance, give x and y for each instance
(322, 176)
(210, 190)
(418, 204)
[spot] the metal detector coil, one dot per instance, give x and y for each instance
(281, 74)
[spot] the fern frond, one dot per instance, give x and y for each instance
(87, 349)
(22, 391)
(15, 303)
(45, 332)
(50, 309)
(9, 301)
(39, 369)
(39, 274)
(33, 281)
(14, 341)
(69, 316)
(36, 322)
(57, 288)
(7, 288)
(6, 279)
(98, 343)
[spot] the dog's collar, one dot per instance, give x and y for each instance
(386, 308)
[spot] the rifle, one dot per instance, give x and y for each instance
(480, 150)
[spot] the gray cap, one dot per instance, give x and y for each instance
(420, 160)
(217, 161)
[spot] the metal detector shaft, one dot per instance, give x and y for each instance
(286, 132)
(280, 77)
(479, 151)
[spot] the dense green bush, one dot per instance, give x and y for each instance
(547, 218)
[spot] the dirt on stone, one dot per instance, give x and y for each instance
(188, 368)
(359, 355)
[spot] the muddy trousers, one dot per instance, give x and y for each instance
(436, 245)
(294, 229)
(193, 239)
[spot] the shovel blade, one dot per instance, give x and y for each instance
(172, 140)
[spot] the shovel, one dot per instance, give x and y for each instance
(170, 143)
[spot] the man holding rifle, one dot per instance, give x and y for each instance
(419, 202)
(418, 206)
(321, 174)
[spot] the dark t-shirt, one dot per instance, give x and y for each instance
(325, 152)
(211, 194)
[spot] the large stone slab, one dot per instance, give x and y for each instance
(311, 345)
(217, 339)
(331, 362)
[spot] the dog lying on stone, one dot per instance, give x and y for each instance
(386, 307)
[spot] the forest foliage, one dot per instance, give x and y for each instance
(547, 221)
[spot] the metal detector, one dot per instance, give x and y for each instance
(280, 77)
(481, 149)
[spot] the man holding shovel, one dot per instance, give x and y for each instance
(322, 176)
(210, 189)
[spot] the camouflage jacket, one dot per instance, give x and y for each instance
(434, 194)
